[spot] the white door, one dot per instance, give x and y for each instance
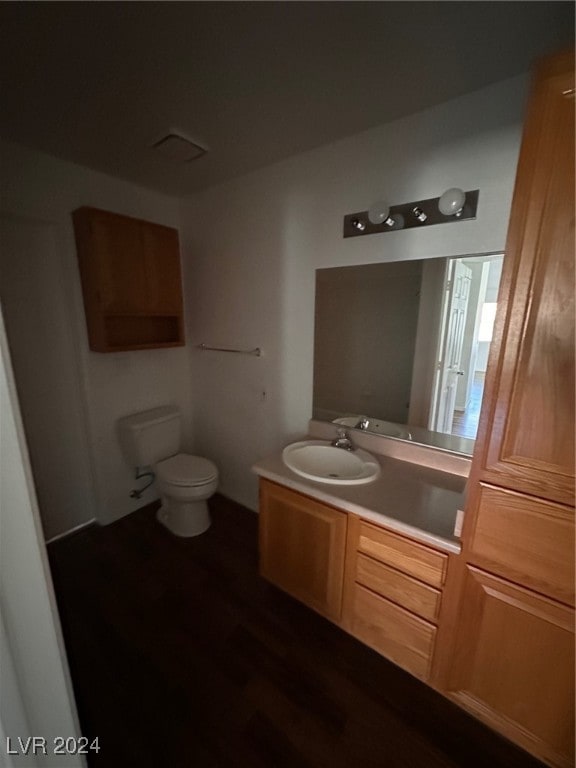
(449, 365)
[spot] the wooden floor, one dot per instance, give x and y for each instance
(182, 657)
(465, 423)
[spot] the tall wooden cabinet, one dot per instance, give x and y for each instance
(506, 649)
(530, 443)
(131, 283)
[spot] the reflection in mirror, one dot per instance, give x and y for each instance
(401, 348)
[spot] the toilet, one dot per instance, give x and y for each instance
(152, 439)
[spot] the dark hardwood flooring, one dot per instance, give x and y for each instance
(183, 657)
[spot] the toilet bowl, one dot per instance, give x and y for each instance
(185, 483)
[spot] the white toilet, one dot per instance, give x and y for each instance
(152, 439)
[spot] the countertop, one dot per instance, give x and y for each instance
(409, 498)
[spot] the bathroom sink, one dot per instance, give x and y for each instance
(319, 460)
(387, 428)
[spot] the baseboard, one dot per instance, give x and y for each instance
(71, 531)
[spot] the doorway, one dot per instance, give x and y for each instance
(465, 333)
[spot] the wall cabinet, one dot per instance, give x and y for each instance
(302, 548)
(505, 650)
(131, 281)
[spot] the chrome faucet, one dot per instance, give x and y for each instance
(343, 441)
(364, 423)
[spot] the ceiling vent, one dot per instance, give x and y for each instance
(178, 149)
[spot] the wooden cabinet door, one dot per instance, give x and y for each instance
(162, 264)
(513, 665)
(528, 419)
(302, 548)
(130, 271)
(122, 278)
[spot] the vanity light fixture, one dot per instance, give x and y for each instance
(379, 213)
(419, 213)
(454, 205)
(452, 202)
(359, 224)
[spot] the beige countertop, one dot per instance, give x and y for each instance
(407, 497)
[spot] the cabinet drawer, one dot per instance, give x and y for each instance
(527, 540)
(407, 556)
(392, 631)
(401, 589)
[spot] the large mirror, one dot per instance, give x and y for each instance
(401, 348)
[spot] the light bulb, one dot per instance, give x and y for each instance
(379, 213)
(419, 213)
(452, 202)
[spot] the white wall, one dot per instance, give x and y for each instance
(35, 691)
(43, 189)
(44, 361)
(252, 245)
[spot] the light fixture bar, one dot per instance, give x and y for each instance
(358, 224)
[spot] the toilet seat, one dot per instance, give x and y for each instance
(186, 470)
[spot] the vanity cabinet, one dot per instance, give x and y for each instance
(506, 647)
(131, 281)
(393, 594)
(383, 588)
(302, 547)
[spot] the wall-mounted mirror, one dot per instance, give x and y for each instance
(401, 348)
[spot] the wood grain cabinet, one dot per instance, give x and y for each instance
(131, 281)
(524, 539)
(393, 594)
(302, 547)
(528, 422)
(513, 664)
(505, 650)
(383, 588)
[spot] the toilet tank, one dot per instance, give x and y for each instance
(151, 436)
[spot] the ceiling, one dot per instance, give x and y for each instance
(98, 83)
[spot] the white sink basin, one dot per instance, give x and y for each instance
(319, 460)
